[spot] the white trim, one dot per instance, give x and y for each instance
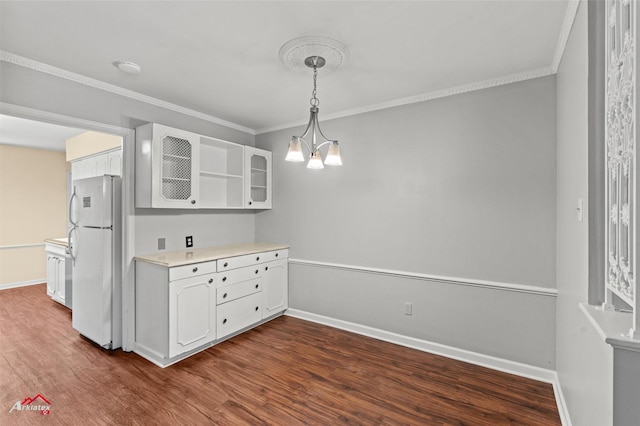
(563, 410)
(19, 246)
(22, 283)
(520, 288)
(53, 118)
(107, 87)
(569, 17)
(494, 363)
(128, 240)
(128, 146)
(456, 90)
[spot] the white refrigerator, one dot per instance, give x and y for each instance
(95, 245)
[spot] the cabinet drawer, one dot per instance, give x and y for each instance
(240, 313)
(239, 261)
(238, 275)
(251, 259)
(193, 270)
(236, 291)
(275, 255)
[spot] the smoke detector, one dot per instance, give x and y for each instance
(127, 67)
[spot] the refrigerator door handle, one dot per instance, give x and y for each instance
(69, 240)
(73, 194)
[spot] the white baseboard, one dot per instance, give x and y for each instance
(519, 369)
(22, 283)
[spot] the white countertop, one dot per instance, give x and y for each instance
(59, 241)
(190, 256)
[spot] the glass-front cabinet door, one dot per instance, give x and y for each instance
(257, 179)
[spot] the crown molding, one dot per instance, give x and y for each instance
(97, 84)
(456, 90)
(570, 14)
(565, 30)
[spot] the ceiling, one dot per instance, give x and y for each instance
(220, 58)
(35, 134)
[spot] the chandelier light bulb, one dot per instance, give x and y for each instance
(333, 155)
(315, 161)
(295, 150)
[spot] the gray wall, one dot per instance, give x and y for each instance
(208, 228)
(28, 88)
(584, 361)
(462, 186)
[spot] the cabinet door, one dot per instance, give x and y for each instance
(52, 275)
(114, 163)
(175, 168)
(192, 316)
(61, 280)
(257, 169)
(99, 165)
(81, 169)
(275, 294)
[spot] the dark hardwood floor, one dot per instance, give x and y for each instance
(285, 372)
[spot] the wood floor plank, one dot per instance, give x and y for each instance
(285, 372)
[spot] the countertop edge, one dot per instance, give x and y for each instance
(56, 241)
(208, 254)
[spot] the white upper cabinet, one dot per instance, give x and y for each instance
(167, 167)
(114, 162)
(257, 183)
(221, 174)
(179, 169)
(104, 163)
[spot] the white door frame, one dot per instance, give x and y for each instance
(128, 212)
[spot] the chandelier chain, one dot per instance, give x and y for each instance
(314, 101)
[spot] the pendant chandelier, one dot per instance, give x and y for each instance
(313, 130)
(314, 52)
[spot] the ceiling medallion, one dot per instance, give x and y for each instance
(295, 52)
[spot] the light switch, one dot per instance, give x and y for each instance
(579, 210)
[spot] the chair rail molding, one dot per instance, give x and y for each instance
(520, 288)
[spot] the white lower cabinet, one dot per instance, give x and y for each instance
(58, 274)
(192, 314)
(184, 309)
(175, 310)
(275, 295)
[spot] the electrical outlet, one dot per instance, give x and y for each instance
(408, 308)
(161, 243)
(189, 241)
